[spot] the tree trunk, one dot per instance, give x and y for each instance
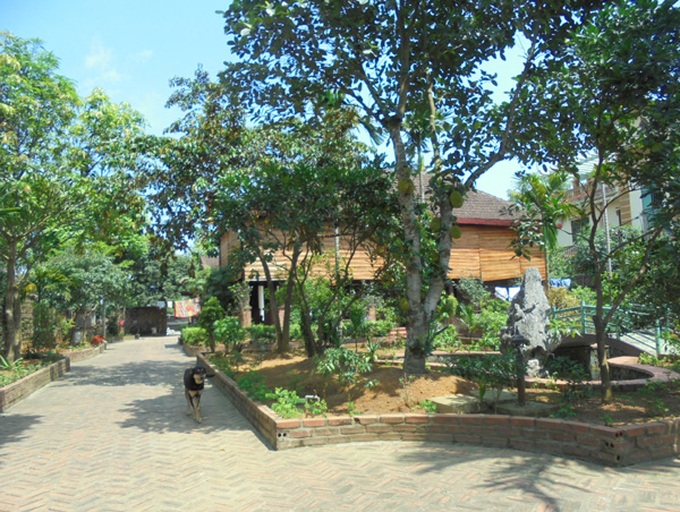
(601, 341)
(421, 306)
(308, 334)
(416, 327)
(11, 318)
(605, 375)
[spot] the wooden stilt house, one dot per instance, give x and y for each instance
(483, 251)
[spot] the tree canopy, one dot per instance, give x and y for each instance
(415, 71)
(611, 97)
(67, 165)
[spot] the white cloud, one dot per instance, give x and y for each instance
(141, 57)
(100, 60)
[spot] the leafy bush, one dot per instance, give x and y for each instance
(211, 312)
(45, 324)
(194, 336)
(316, 407)
(584, 294)
(576, 376)
(473, 291)
(262, 334)
(490, 372)
(228, 330)
(428, 406)
(561, 298)
(380, 328)
(654, 404)
(224, 363)
(295, 331)
(447, 309)
(286, 403)
(648, 359)
(17, 369)
(490, 321)
(252, 384)
(345, 364)
(447, 339)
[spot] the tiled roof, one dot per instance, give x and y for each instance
(482, 208)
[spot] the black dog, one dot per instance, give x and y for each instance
(194, 381)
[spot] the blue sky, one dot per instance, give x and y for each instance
(132, 49)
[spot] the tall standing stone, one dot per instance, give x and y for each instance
(529, 317)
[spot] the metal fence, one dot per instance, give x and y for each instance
(634, 325)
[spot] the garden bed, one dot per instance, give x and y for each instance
(20, 389)
(388, 411)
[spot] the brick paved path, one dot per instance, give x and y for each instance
(112, 436)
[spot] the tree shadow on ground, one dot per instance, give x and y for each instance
(167, 413)
(534, 474)
(146, 373)
(14, 426)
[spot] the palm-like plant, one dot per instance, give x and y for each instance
(540, 201)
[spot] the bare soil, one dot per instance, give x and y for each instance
(392, 392)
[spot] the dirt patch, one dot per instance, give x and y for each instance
(389, 391)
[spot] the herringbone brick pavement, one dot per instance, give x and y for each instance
(112, 436)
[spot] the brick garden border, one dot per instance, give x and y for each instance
(609, 446)
(17, 391)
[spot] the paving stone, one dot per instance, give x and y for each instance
(113, 435)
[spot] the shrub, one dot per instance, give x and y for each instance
(473, 291)
(345, 364)
(380, 328)
(584, 294)
(447, 338)
(561, 298)
(576, 376)
(194, 336)
(490, 321)
(315, 407)
(490, 372)
(286, 403)
(224, 363)
(428, 406)
(211, 312)
(253, 385)
(262, 334)
(295, 331)
(45, 324)
(228, 330)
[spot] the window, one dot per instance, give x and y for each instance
(577, 225)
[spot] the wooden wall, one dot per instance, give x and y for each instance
(482, 252)
(361, 268)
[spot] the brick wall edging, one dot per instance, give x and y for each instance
(81, 355)
(609, 446)
(20, 389)
(17, 391)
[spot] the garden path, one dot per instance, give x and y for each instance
(112, 435)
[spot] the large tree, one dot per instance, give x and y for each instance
(58, 156)
(417, 72)
(282, 187)
(187, 164)
(301, 187)
(38, 107)
(609, 117)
